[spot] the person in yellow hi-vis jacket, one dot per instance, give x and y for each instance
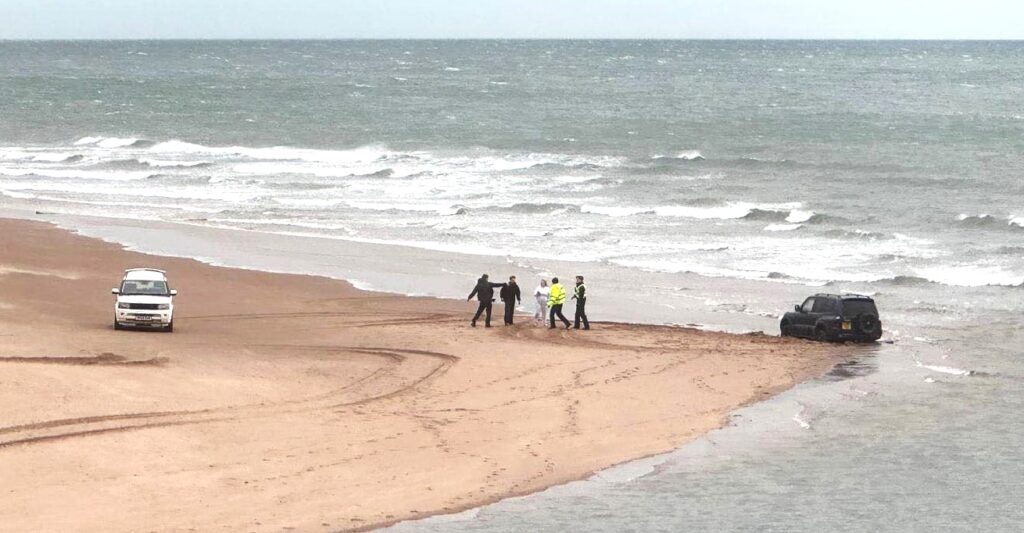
(555, 302)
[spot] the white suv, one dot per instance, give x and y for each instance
(144, 299)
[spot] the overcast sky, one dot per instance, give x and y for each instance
(275, 19)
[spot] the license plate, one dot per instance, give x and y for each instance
(847, 326)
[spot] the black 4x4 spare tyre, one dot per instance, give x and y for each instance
(868, 324)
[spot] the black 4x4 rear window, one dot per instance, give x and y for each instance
(859, 307)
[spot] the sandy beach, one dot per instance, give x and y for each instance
(298, 402)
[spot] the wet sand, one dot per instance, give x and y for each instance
(285, 401)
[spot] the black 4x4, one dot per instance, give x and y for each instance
(832, 317)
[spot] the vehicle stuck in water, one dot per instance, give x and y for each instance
(834, 317)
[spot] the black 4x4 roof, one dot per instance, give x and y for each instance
(843, 296)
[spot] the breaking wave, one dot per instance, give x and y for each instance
(728, 211)
(149, 163)
(112, 142)
(685, 155)
(990, 221)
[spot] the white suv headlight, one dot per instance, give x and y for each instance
(164, 306)
(123, 305)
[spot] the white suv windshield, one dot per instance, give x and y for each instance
(148, 288)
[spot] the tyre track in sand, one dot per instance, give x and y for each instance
(406, 371)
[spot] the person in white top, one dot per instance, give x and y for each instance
(541, 295)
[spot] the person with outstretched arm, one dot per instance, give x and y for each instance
(511, 296)
(580, 295)
(555, 302)
(484, 292)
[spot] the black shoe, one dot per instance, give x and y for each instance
(487, 326)
(552, 327)
(575, 327)
(473, 323)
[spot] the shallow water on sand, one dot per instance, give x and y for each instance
(894, 450)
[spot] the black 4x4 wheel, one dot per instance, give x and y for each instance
(785, 329)
(821, 334)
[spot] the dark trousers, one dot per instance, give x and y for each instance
(510, 311)
(581, 314)
(484, 306)
(556, 310)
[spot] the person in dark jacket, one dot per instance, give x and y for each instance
(580, 295)
(511, 296)
(484, 292)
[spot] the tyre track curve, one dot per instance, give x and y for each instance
(380, 385)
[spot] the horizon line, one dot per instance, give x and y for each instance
(323, 39)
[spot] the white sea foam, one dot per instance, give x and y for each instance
(946, 369)
(24, 154)
(971, 275)
(782, 227)
(797, 216)
(295, 222)
(75, 174)
(985, 219)
(126, 205)
(372, 159)
(478, 179)
(232, 195)
(693, 267)
(18, 195)
(482, 249)
(733, 210)
(421, 207)
(106, 142)
(276, 153)
(685, 155)
(800, 418)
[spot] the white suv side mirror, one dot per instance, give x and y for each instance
(174, 292)
(115, 291)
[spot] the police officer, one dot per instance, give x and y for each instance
(580, 295)
(555, 302)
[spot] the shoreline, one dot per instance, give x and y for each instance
(438, 382)
(682, 299)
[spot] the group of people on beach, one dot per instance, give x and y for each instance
(549, 299)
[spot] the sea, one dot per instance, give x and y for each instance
(712, 184)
